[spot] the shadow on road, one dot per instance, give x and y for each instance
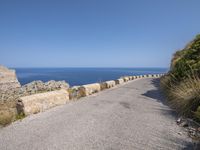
(156, 94)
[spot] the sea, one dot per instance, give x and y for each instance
(81, 76)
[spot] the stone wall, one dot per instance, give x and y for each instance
(119, 81)
(40, 102)
(126, 79)
(90, 89)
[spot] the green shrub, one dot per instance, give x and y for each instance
(20, 116)
(197, 114)
(182, 84)
(187, 61)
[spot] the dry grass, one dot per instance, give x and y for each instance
(185, 96)
(7, 112)
(6, 117)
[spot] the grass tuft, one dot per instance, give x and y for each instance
(184, 97)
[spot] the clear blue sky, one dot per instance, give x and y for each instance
(95, 33)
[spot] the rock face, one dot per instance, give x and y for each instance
(39, 86)
(34, 87)
(8, 79)
(40, 102)
(9, 86)
(11, 93)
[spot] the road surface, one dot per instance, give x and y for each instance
(132, 116)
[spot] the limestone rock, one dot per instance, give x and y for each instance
(119, 81)
(40, 102)
(107, 84)
(8, 79)
(110, 83)
(39, 86)
(56, 85)
(126, 79)
(90, 89)
(134, 77)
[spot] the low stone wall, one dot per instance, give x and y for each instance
(89, 89)
(38, 96)
(126, 79)
(75, 92)
(110, 84)
(119, 81)
(85, 90)
(40, 102)
(107, 84)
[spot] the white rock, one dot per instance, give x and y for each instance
(40, 102)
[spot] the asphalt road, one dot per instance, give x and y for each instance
(128, 117)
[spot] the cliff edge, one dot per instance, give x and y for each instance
(8, 79)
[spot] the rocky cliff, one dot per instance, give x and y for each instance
(11, 91)
(8, 79)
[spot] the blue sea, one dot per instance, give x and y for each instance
(80, 76)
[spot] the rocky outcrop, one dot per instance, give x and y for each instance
(39, 86)
(34, 87)
(11, 93)
(40, 102)
(8, 79)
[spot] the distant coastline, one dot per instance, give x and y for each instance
(81, 76)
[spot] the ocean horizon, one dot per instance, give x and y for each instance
(80, 76)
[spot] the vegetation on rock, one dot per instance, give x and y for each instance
(182, 83)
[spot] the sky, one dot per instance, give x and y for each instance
(95, 33)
